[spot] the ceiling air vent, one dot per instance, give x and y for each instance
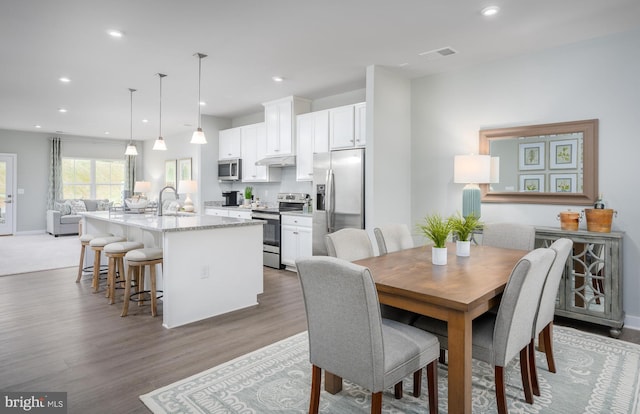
(438, 53)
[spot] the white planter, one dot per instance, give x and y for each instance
(439, 255)
(463, 248)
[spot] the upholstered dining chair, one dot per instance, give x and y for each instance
(348, 337)
(498, 338)
(349, 244)
(393, 237)
(544, 319)
(354, 244)
(509, 235)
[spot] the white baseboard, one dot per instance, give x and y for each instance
(632, 322)
(26, 233)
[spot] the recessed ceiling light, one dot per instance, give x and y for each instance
(490, 11)
(62, 110)
(115, 33)
(107, 132)
(64, 79)
(37, 126)
(144, 121)
(203, 103)
(402, 65)
(277, 78)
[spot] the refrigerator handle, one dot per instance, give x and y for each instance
(330, 204)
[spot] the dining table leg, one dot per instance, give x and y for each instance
(459, 369)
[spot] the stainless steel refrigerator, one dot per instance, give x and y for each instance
(338, 190)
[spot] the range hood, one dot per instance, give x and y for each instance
(283, 161)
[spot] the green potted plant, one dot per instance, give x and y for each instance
(437, 229)
(463, 228)
(248, 194)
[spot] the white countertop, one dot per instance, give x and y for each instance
(167, 222)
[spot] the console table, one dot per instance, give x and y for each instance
(591, 287)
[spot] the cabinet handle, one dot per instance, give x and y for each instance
(350, 140)
(295, 232)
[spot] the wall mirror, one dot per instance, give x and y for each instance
(543, 164)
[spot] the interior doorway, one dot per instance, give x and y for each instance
(8, 182)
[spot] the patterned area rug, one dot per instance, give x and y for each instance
(595, 375)
(37, 252)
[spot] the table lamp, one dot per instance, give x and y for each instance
(187, 187)
(471, 170)
(142, 187)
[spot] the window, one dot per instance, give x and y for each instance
(90, 178)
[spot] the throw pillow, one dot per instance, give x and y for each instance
(104, 205)
(78, 206)
(63, 208)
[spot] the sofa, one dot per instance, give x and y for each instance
(64, 219)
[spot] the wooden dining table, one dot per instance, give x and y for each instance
(458, 292)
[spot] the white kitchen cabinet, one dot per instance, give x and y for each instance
(254, 146)
(296, 239)
(312, 138)
(347, 126)
(229, 145)
(280, 118)
(240, 214)
(222, 212)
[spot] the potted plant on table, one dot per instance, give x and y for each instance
(437, 229)
(463, 228)
(248, 195)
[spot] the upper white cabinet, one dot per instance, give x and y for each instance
(312, 138)
(342, 126)
(229, 146)
(254, 147)
(280, 118)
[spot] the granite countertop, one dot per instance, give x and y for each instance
(171, 222)
(235, 208)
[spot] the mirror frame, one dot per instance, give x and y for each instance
(589, 129)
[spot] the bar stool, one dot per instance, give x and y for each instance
(115, 253)
(136, 261)
(97, 245)
(84, 242)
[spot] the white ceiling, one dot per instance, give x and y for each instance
(321, 48)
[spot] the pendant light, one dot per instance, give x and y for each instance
(198, 136)
(160, 145)
(131, 149)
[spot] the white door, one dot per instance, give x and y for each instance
(7, 193)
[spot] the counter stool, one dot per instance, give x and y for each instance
(97, 245)
(115, 253)
(136, 261)
(84, 242)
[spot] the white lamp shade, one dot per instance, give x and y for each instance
(472, 169)
(495, 170)
(142, 187)
(187, 187)
(198, 137)
(131, 150)
(159, 145)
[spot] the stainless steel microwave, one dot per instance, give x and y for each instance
(230, 170)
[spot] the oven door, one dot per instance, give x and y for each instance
(270, 238)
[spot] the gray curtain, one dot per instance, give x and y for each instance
(130, 176)
(55, 172)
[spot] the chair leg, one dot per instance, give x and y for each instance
(547, 333)
(525, 373)
(417, 383)
(397, 390)
(535, 386)
(81, 265)
(501, 398)
(111, 277)
(140, 272)
(376, 403)
(443, 358)
(432, 386)
(316, 376)
(127, 291)
(154, 300)
(96, 271)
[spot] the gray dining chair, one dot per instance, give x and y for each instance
(546, 310)
(509, 235)
(392, 238)
(349, 338)
(349, 244)
(354, 244)
(498, 338)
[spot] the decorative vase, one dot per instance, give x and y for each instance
(439, 255)
(463, 248)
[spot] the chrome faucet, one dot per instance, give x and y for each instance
(160, 197)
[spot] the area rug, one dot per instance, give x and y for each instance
(37, 252)
(595, 375)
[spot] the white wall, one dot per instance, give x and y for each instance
(592, 79)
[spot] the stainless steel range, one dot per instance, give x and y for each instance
(271, 234)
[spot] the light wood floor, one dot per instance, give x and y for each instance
(55, 335)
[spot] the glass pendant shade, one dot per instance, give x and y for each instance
(160, 145)
(198, 136)
(131, 150)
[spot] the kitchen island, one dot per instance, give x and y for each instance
(211, 265)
